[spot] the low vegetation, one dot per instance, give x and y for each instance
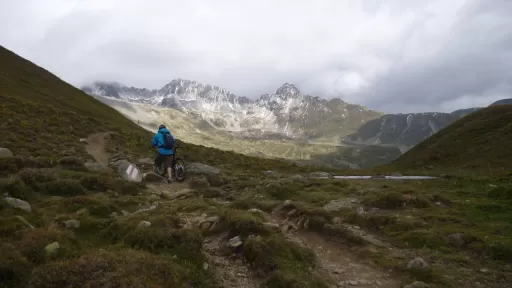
(83, 222)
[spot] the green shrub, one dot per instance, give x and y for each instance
(39, 162)
(286, 264)
(184, 243)
(211, 192)
(500, 193)
(99, 183)
(16, 189)
(64, 188)
(123, 268)
(14, 268)
(198, 183)
(35, 178)
(94, 206)
(31, 243)
(72, 163)
(10, 165)
(125, 188)
(242, 223)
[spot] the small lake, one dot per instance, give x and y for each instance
(387, 177)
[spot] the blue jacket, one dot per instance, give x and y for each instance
(158, 140)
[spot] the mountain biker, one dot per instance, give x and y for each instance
(164, 153)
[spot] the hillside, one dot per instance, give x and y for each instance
(68, 218)
(477, 141)
(403, 130)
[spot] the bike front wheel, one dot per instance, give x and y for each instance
(179, 169)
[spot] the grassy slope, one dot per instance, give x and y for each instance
(421, 228)
(42, 119)
(473, 142)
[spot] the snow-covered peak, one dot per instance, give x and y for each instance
(288, 91)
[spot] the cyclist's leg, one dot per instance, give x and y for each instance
(159, 159)
(168, 164)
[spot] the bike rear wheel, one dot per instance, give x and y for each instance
(179, 170)
(160, 170)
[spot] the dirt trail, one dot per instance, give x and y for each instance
(339, 266)
(96, 147)
(230, 271)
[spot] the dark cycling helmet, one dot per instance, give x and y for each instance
(161, 126)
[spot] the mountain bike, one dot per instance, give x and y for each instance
(178, 166)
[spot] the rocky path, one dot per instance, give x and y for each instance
(230, 270)
(338, 265)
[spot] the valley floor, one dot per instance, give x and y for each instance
(249, 229)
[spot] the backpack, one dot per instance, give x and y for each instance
(168, 141)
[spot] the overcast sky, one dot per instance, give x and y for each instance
(389, 55)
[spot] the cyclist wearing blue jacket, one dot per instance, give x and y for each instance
(164, 154)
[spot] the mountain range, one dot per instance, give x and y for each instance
(287, 114)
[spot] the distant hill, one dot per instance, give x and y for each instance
(480, 140)
(502, 102)
(403, 130)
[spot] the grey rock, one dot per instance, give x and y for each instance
(125, 213)
(205, 266)
(4, 152)
(52, 248)
(287, 203)
(24, 221)
(417, 263)
(18, 204)
(255, 210)
(271, 173)
(417, 284)
(128, 171)
(72, 223)
(144, 224)
(297, 178)
(147, 161)
(292, 212)
(271, 225)
(200, 168)
(336, 220)
(353, 283)
(457, 239)
(337, 205)
(360, 211)
(320, 175)
(235, 242)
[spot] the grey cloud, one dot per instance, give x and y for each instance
(392, 56)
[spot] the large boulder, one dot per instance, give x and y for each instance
(128, 171)
(18, 203)
(4, 152)
(200, 168)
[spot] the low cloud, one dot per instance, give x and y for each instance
(392, 56)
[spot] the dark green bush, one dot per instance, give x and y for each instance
(10, 165)
(72, 163)
(35, 178)
(65, 188)
(16, 189)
